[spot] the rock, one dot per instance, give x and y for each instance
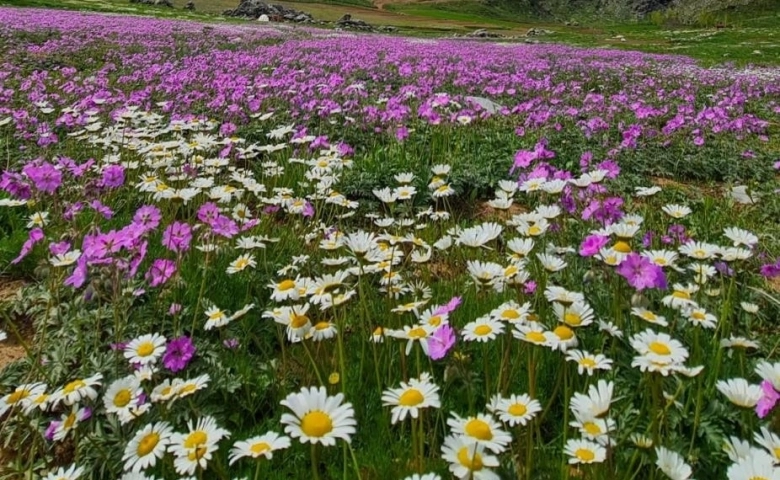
(263, 18)
(348, 23)
(530, 41)
(535, 32)
(387, 28)
(482, 33)
(257, 9)
(488, 105)
(164, 3)
(190, 6)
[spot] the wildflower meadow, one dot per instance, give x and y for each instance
(263, 252)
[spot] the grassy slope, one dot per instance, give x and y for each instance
(752, 35)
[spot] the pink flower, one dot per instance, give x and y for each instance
(160, 272)
(441, 342)
(449, 307)
(178, 354)
(768, 399)
(592, 244)
(308, 210)
(641, 273)
(35, 236)
(177, 237)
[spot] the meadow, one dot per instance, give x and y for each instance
(271, 252)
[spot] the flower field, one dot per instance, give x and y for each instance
(268, 252)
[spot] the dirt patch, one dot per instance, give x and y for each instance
(486, 212)
(442, 270)
(774, 284)
(10, 349)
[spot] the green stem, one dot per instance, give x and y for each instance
(315, 471)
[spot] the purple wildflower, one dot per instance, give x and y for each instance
(35, 236)
(178, 354)
(177, 237)
(160, 272)
(448, 307)
(44, 176)
(592, 245)
(440, 342)
(113, 176)
(641, 273)
(769, 397)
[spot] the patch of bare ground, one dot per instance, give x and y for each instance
(485, 212)
(10, 349)
(774, 284)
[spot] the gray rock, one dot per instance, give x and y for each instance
(163, 3)
(263, 18)
(488, 105)
(482, 33)
(190, 6)
(535, 32)
(256, 9)
(348, 23)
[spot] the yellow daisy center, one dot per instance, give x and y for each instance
(17, 396)
(517, 409)
(510, 314)
(681, 294)
(316, 424)
(188, 388)
(472, 463)
(622, 247)
(649, 316)
(660, 261)
(434, 321)
(195, 439)
(418, 332)
(73, 386)
(145, 349)
(410, 398)
(197, 454)
(478, 429)
(510, 271)
(285, 285)
(147, 444)
(592, 428)
(563, 332)
(216, 315)
(69, 421)
(588, 362)
(572, 318)
(535, 337)
(298, 321)
(241, 263)
(483, 330)
(322, 326)
(534, 230)
(659, 348)
(699, 316)
(259, 448)
(585, 455)
(122, 398)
